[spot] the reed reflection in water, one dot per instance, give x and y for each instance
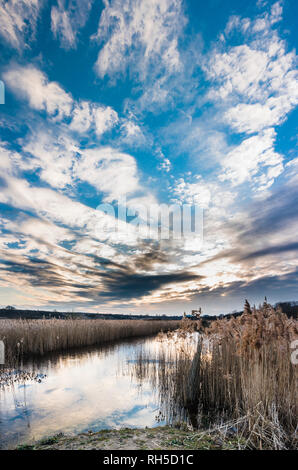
(79, 391)
(171, 370)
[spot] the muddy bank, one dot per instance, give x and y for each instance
(160, 438)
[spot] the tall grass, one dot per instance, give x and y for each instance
(23, 338)
(240, 374)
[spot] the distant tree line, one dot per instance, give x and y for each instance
(290, 308)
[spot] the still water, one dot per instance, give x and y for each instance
(77, 392)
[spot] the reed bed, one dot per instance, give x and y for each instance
(24, 338)
(240, 379)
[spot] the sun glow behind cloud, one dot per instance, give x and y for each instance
(163, 115)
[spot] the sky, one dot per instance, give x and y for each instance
(155, 102)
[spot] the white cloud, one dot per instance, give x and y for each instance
(61, 161)
(253, 160)
(257, 81)
(54, 156)
(105, 118)
(55, 153)
(61, 26)
(138, 34)
(82, 117)
(254, 88)
(9, 160)
(155, 95)
(67, 21)
(30, 83)
(165, 165)
(192, 193)
(238, 71)
(52, 206)
(110, 171)
(251, 118)
(56, 208)
(41, 229)
(261, 24)
(86, 115)
(131, 133)
(276, 12)
(18, 19)
(271, 92)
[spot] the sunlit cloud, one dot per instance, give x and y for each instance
(158, 111)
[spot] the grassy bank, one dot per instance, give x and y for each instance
(160, 438)
(23, 338)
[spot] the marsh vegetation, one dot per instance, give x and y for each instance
(238, 377)
(232, 379)
(25, 338)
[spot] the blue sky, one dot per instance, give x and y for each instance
(160, 102)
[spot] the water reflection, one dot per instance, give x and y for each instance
(91, 389)
(171, 369)
(136, 383)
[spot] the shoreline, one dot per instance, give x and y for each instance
(158, 438)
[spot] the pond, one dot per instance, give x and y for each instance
(78, 391)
